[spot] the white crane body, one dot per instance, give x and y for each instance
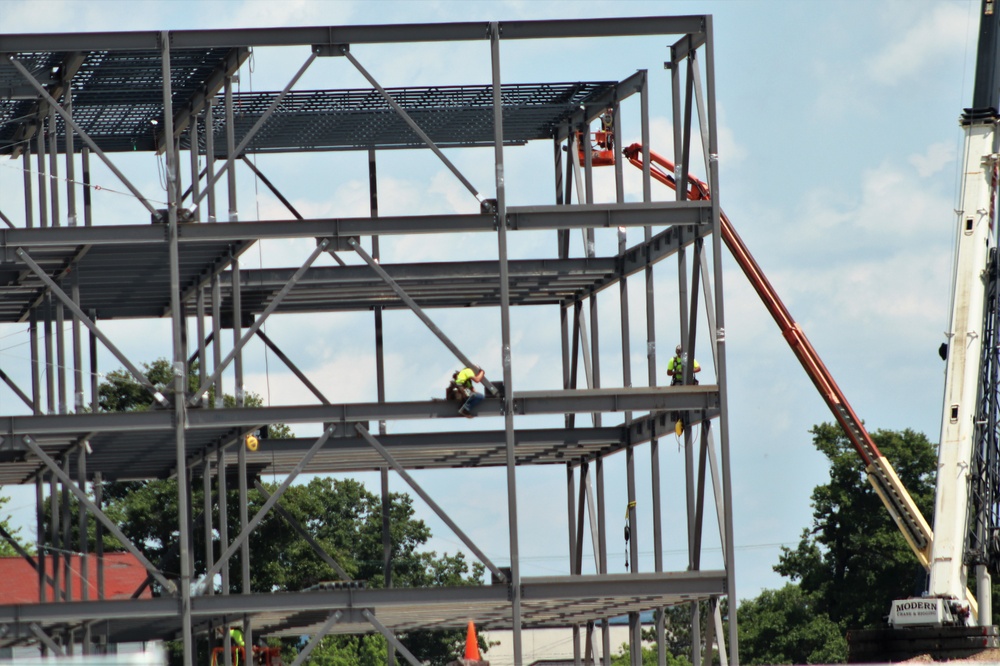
(948, 574)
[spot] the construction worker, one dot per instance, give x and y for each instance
(464, 378)
(236, 642)
(675, 368)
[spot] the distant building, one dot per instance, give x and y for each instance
(123, 574)
(544, 647)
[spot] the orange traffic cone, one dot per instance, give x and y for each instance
(471, 643)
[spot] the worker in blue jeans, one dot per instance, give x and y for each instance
(464, 379)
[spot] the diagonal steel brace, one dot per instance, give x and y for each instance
(45, 638)
(40, 89)
(391, 637)
(412, 123)
(417, 310)
(100, 515)
(317, 637)
(290, 519)
(71, 304)
(292, 281)
(271, 501)
(231, 159)
(430, 502)
(23, 553)
(291, 366)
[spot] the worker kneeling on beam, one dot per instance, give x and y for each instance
(461, 390)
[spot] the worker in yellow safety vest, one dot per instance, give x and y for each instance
(464, 378)
(236, 640)
(675, 368)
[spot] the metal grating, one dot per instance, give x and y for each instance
(358, 119)
(115, 94)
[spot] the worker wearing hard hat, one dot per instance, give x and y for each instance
(463, 379)
(675, 368)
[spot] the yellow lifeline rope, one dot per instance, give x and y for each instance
(628, 531)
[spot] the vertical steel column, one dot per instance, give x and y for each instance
(561, 234)
(40, 536)
(85, 165)
(230, 149)
(380, 389)
(223, 501)
(70, 161)
(195, 171)
(573, 553)
(238, 357)
(602, 551)
(61, 354)
(65, 541)
(50, 375)
(95, 401)
(179, 356)
(654, 442)
(36, 388)
(217, 337)
(210, 159)
(43, 199)
(634, 623)
(54, 166)
(501, 216)
(81, 521)
(99, 534)
(54, 536)
(29, 212)
(78, 401)
(720, 336)
(207, 520)
(202, 351)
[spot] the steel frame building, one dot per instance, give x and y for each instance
(67, 100)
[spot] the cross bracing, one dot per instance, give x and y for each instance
(69, 100)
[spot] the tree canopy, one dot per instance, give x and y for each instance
(849, 564)
(341, 515)
(853, 558)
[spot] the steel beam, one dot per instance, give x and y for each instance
(360, 34)
(302, 532)
(68, 119)
(417, 310)
(245, 141)
(262, 512)
(85, 320)
(291, 366)
(391, 638)
(316, 638)
(410, 481)
(100, 515)
(237, 348)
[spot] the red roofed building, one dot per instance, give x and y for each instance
(122, 576)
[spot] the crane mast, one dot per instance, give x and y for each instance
(974, 239)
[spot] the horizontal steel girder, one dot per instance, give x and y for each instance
(540, 594)
(680, 398)
(361, 34)
(578, 216)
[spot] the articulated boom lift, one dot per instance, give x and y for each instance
(880, 472)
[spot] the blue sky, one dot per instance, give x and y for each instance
(839, 149)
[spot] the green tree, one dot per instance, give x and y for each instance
(341, 515)
(853, 561)
(6, 549)
(785, 627)
(649, 658)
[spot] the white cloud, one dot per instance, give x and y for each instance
(934, 160)
(931, 36)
